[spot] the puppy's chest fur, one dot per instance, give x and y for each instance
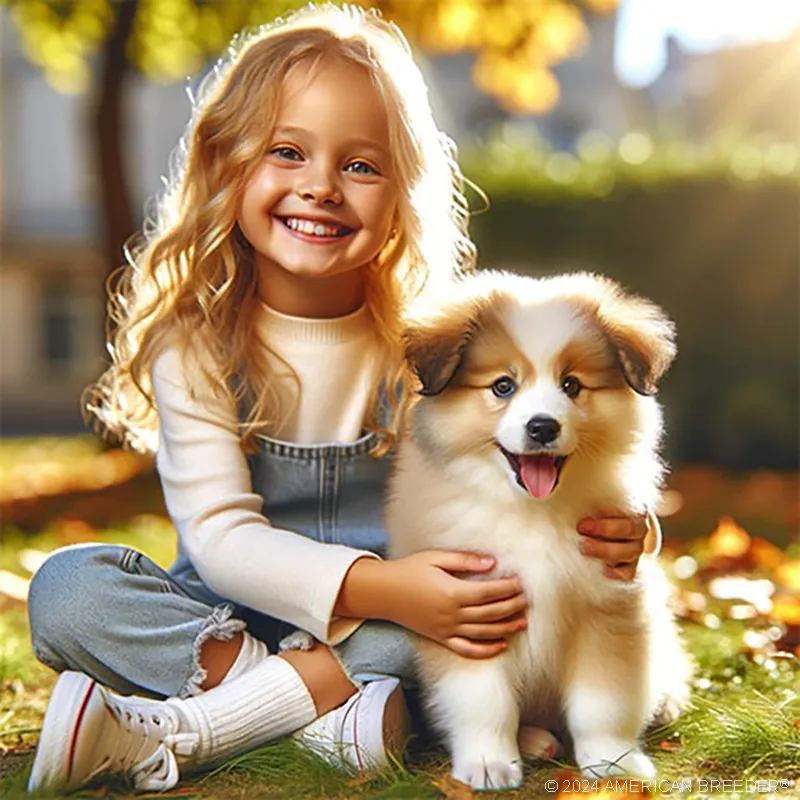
(536, 541)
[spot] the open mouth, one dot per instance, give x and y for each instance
(316, 229)
(537, 473)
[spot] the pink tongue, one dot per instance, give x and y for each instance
(538, 474)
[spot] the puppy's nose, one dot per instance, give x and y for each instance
(542, 429)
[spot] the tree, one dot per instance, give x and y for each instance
(515, 42)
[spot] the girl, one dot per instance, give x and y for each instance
(258, 351)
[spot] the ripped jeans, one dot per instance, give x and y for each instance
(110, 612)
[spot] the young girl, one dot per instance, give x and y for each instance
(259, 354)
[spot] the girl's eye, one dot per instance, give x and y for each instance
(571, 386)
(286, 153)
(504, 387)
(361, 168)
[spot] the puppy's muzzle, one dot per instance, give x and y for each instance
(542, 429)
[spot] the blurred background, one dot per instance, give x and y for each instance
(655, 141)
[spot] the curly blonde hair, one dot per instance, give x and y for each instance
(190, 280)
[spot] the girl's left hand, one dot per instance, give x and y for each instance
(616, 540)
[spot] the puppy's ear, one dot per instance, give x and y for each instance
(435, 348)
(643, 337)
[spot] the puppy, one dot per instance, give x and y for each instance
(536, 409)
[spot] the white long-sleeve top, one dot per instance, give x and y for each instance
(207, 484)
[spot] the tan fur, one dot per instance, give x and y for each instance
(600, 657)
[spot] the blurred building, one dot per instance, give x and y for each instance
(591, 96)
(51, 269)
(743, 91)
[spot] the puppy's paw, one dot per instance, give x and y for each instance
(604, 758)
(673, 701)
(668, 711)
(488, 775)
(299, 640)
(537, 742)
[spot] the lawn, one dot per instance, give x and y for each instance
(736, 596)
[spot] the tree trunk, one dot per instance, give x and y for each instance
(114, 196)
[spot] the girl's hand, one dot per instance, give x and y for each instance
(615, 539)
(423, 592)
(470, 617)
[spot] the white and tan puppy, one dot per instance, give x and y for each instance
(536, 409)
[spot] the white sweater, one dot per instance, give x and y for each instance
(206, 480)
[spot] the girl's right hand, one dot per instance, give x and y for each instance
(471, 617)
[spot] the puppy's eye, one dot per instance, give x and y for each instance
(504, 387)
(571, 386)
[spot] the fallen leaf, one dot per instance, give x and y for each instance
(788, 575)
(786, 609)
(729, 539)
(453, 789)
(765, 555)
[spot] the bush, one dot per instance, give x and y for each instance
(720, 255)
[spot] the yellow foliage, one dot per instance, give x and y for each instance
(515, 41)
(60, 44)
(457, 25)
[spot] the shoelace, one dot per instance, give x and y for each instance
(159, 770)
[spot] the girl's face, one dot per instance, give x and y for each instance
(322, 203)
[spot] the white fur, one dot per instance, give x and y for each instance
(599, 657)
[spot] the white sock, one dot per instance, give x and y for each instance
(252, 652)
(267, 701)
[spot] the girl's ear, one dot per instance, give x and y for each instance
(435, 348)
(643, 337)
(394, 231)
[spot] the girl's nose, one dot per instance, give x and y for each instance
(320, 195)
(321, 189)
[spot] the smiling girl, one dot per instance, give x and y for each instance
(259, 354)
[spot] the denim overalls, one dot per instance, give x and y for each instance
(110, 612)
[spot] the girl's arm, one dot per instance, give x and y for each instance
(209, 496)
(421, 592)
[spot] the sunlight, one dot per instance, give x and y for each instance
(734, 21)
(698, 25)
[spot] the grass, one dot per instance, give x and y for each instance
(743, 722)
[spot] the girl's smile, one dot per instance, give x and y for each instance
(318, 230)
(321, 205)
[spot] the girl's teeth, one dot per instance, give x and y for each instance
(311, 228)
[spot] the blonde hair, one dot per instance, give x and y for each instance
(191, 282)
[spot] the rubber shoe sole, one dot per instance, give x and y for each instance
(74, 701)
(394, 730)
(396, 724)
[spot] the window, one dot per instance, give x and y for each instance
(65, 323)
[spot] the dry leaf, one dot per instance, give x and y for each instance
(453, 789)
(729, 540)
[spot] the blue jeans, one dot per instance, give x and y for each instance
(110, 612)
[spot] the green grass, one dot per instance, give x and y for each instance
(743, 722)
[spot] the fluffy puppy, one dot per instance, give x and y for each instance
(536, 409)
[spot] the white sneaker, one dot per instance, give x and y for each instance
(357, 735)
(90, 731)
